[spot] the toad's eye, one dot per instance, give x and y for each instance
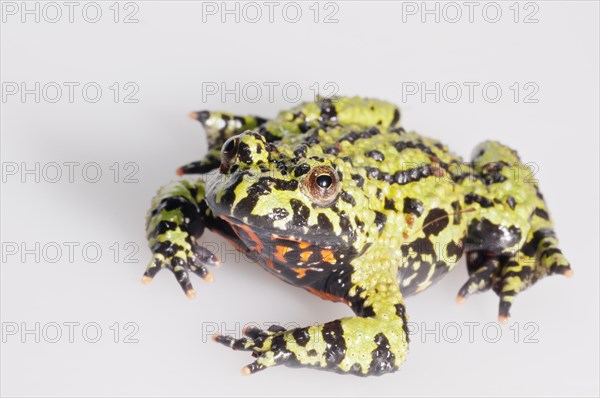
(229, 150)
(321, 184)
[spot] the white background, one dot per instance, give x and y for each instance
(373, 50)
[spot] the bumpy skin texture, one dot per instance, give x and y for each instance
(335, 197)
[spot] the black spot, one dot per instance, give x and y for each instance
(453, 249)
(269, 137)
(282, 354)
(346, 197)
(492, 173)
(301, 170)
(375, 173)
(359, 308)
(333, 334)
(346, 226)
(358, 180)
(304, 127)
(370, 132)
(382, 358)
(300, 151)
(419, 245)
(530, 248)
(376, 155)
(173, 203)
(511, 202)
(396, 117)
(332, 150)
(282, 185)
(163, 227)
(485, 235)
(435, 222)
(542, 213)
(312, 139)
(244, 153)
(406, 176)
(301, 336)
(401, 313)
(328, 111)
(390, 204)
(482, 201)
(350, 137)
(550, 252)
(368, 311)
(278, 213)
(348, 159)
(323, 223)
(380, 220)
(413, 206)
(301, 213)
(525, 273)
(166, 248)
(298, 115)
(258, 189)
(359, 223)
(398, 130)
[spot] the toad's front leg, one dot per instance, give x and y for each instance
(373, 342)
(177, 218)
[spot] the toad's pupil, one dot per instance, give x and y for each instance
(324, 181)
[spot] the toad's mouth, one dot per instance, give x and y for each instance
(278, 247)
(271, 233)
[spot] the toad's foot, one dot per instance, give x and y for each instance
(360, 346)
(176, 219)
(180, 256)
(508, 276)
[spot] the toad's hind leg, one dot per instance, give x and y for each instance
(511, 243)
(373, 342)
